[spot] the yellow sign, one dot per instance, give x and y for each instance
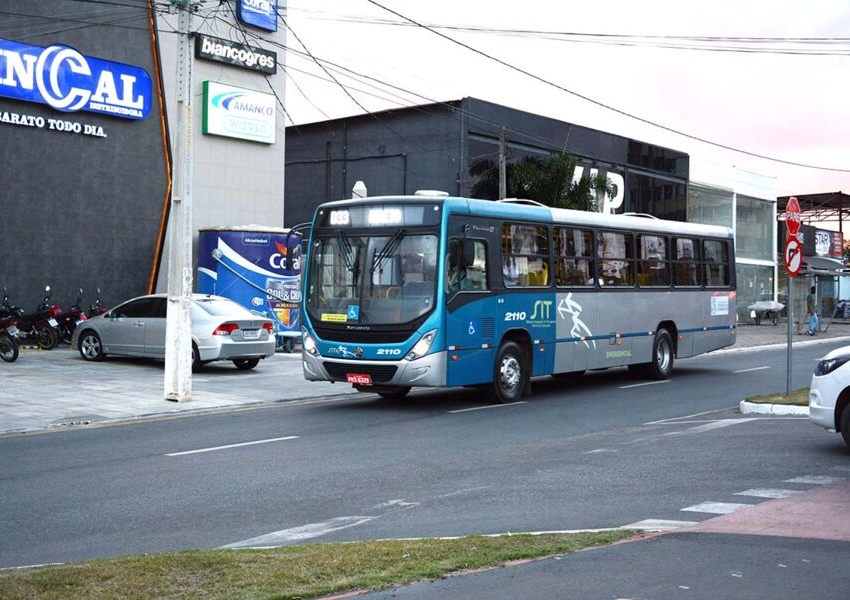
(334, 317)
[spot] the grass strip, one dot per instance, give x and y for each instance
(292, 572)
(799, 397)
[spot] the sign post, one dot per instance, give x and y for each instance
(793, 262)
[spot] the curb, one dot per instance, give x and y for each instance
(753, 408)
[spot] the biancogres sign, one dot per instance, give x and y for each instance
(68, 81)
(238, 55)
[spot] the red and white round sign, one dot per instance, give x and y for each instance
(793, 218)
(793, 256)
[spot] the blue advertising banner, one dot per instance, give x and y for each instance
(260, 268)
(258, 13)
(67, 81)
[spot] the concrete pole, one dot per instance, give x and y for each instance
(178, 328)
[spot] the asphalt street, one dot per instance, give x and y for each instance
(788, 547)
(56, 389)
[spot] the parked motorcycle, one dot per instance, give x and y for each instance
(69, 320)
(96, 309)
(40, 325)
(8, 339)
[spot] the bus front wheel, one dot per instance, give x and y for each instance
(662, 356)
(510, 376)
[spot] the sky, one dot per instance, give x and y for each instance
(620, 66)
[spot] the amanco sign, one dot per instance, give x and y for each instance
(65, 80)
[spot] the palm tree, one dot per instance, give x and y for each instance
(546, 180)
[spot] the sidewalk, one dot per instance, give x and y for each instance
(48, 390)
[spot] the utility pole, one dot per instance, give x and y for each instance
(178, 327)
(503, 188)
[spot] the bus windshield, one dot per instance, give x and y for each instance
(374, 278)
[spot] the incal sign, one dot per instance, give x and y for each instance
(64, 79)
(259, 13)
(238, 55)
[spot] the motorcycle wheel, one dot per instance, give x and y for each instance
(47, 337)
(8, 347)
(66, 332)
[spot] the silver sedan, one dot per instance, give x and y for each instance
(221, 330)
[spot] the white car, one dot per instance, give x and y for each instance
(829, 395)
(221, 330)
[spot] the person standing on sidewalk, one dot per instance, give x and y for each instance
(811, 311)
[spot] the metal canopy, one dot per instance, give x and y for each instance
(815, 208)
(823, 265)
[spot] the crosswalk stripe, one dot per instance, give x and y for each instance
(660, 525)
(716, 508)
(815, 480)
(768, 493)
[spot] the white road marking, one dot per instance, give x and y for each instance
(227, 447)
(297, 534)
(397, 504)
(489, 406)
(815, 480)
(634, 385)
(753, 369)
(716, 508)
(601, 451)
(659, 525)
(679, 419)
(768, 493)
(710, 426)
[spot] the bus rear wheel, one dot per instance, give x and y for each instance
(662, 357)
(510, 376)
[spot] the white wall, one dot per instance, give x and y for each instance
(235, 182)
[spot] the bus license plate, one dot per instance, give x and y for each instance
(358, 378)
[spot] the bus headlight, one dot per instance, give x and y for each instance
(309, 345)
(421, 347)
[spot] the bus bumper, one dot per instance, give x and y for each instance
(428, 371)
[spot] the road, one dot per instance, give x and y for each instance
(610, 452)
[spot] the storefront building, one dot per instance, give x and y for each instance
(88, 107)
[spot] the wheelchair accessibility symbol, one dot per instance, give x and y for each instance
(471, 328)
(353, 312)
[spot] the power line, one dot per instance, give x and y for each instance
(602, 104)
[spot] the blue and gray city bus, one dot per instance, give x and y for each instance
(437, 291)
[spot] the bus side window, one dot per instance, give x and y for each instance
(653, 269)
(685, 272)
(574, 257)
(616, 258)
(716, 263)
(525, 255)
(466, 266)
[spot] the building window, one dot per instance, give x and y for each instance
(754, 228)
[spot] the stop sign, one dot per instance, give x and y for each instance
(792, 216)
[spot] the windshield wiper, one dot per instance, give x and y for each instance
(388, 250)
(345, 250)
